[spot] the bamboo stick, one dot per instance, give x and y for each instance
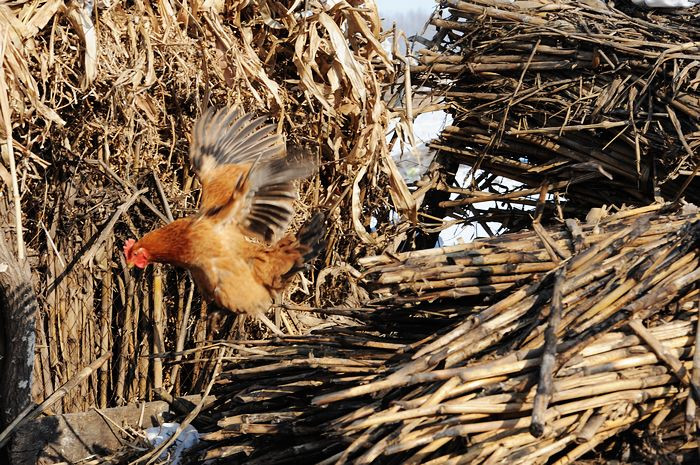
(544, 386)
(158, 344)
(695, 379)
(665, 355)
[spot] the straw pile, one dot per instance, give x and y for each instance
(532, 347)
(98, 99)
(603, 342)
(596, 101)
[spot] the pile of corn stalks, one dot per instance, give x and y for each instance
(97, 102)
(594, 101)
(599, 341)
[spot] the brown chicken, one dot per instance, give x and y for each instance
(247, 192)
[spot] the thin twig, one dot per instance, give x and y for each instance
(107, 229)
(163, 198)
(5, 106)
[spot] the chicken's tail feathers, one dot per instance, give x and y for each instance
(308, 245)
(310, 237)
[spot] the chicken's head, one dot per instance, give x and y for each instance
(136, 256)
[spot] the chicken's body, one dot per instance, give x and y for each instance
(247, 192)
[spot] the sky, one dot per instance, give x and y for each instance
(409, 15)
(393, 6)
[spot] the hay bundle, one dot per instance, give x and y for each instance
(603, 342)
(490, 266)
(597, 102)
(98, 99)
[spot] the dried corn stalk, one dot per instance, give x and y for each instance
(101, 97)
(596, 102)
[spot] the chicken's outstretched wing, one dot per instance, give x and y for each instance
(245, 174)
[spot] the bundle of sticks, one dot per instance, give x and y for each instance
(583, 98)
(486, 267)
(601, 340)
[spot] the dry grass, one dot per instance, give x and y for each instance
(99, 106)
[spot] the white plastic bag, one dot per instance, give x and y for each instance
(188, 438)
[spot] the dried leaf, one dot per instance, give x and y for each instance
(345, 57)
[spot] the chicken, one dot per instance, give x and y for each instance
(247, 194)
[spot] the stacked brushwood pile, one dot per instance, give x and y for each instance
(98, 100)
(595, 101)
(532, 347)
(598, 339)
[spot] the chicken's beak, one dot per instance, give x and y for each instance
(129, 265)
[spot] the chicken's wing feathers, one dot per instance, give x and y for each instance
(229, 136)
(246, 177)
(271, 196)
